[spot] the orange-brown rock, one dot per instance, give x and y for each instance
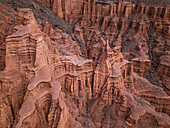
(6, 27)
(150, 93)
(108, 68)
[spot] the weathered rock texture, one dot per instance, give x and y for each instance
(96, 64)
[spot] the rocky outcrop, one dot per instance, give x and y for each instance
(6, 26)
(163, 69)
(88, 76)
(156, 96)
(12, 89)
(23, 49)
(42, 73)
(73, 10)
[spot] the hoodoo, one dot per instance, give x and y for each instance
(84, 64)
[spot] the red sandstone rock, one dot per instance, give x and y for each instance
(90, 77)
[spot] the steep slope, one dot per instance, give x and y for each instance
(105, 68)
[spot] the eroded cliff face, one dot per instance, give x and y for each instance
(141, 28)
(102, 73)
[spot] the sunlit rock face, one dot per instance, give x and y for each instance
(84, 64)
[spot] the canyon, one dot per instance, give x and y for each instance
(84, 64)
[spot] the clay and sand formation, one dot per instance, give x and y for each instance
(84, 64)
